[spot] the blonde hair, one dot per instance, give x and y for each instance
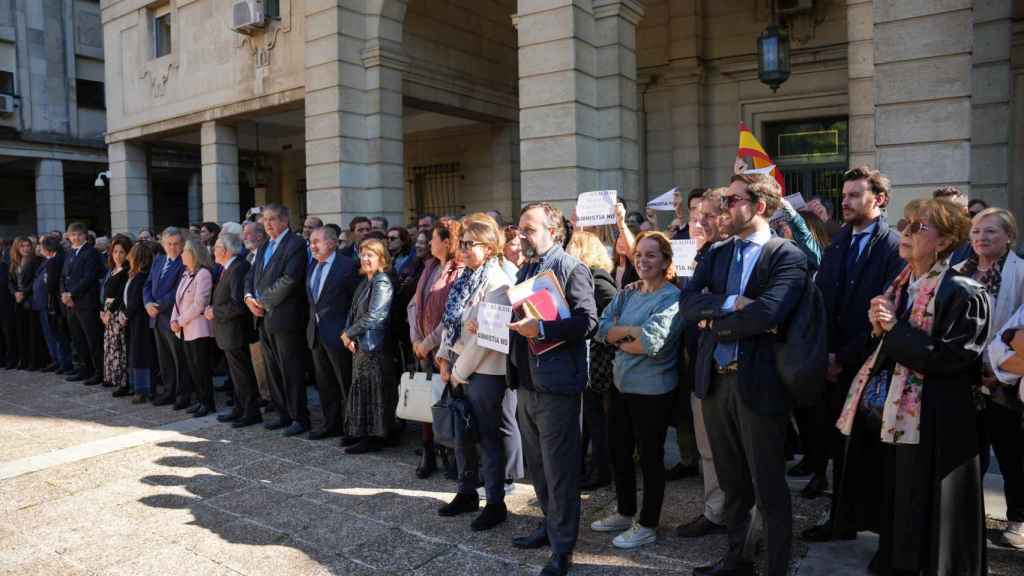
(377, 247)
(664, 246)
(590, 250)
(1006, 220)
(484, 229)
(949, 221)
(199, 252)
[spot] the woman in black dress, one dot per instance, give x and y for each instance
(914, 397)
(31, 347)
(115, 349)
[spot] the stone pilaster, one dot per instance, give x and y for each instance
(860, 34)
(130, 203)
(195, 197)
(385, 192)
(49, 196)
(615, 24)
(558, 118)
(220, 172)
(990, 102)
(922, 79)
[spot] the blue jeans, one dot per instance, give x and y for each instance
(56, 343)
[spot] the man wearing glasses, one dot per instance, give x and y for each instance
(861, 262)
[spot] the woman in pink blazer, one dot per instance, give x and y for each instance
(189, 323)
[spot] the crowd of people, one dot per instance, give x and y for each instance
(924, 331)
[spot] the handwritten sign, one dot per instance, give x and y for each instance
(684, 257)
(596, 208)
(492, 326)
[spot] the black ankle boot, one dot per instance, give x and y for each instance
(428, 461)
(491, 516)
(460, 504)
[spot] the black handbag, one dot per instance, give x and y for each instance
(454, 424)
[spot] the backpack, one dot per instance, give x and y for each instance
(801, 348)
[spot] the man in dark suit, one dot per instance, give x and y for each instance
(46, 296)
(861, 262)
(742, 291)
(549, 390)
(159, 294)
(358, 228)
(331, 283)
(275, 294)
(83, 269)
(234, 331)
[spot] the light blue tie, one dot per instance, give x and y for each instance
(316, 281)
(269, 253)
(727, 352)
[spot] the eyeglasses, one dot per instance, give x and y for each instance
(728, 201)
(469, 244)
(911, 228)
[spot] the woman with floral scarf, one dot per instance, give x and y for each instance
(915, 395)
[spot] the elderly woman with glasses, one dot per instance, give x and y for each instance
(914, 394)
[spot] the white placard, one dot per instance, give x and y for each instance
(664, 203)
(684, 257)
(596, 208)
(796, 201)
(492, 326)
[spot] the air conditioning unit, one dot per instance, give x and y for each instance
(794, 6)
(247, 16)
(6, 104)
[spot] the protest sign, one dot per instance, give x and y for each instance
(684, 257)
(492, 326)
(664, 202)
(596, 208)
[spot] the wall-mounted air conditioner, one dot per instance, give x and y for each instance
(6, 104)
(247, 16)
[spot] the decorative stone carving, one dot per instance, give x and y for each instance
(158, 77)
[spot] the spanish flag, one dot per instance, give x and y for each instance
(751, 149)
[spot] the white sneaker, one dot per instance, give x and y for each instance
(614, 523)
(635, 537)
(1014, 535)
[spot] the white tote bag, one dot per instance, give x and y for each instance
(417, 393)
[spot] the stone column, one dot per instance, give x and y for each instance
(922, 77)
(558, 118)
(220, 172)
(354, 151)
(990, 102)
(860, 35)
(130, 205)
(615, 24)
(195, 198)
(49, 196)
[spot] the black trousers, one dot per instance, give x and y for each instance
(243, 379)
(333, 369)
(550, 427)
(283, 352)
(595, 433)
(33, 353)
(9, 337)
(198, 356)
(1001, 431)
(750, 460)
(87, 337)
(638, 423)
(173, 367)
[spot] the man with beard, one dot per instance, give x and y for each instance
(742, 291)
(358, 228)
(860, 263)
(550, 386)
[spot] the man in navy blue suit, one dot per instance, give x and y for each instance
(80, 294)
(158, 294)
(329, 288)
(275, 294)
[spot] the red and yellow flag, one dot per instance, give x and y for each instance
(751, 151)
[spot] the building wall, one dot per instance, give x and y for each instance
(1017, 113)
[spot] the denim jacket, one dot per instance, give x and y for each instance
(368, 318)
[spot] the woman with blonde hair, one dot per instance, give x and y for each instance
(369, 412)
(588, 247)
(190, 324)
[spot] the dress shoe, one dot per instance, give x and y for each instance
(277, 424)
(202, 411)
(163, 401)
(595, 483)
(139, 399)
(428, 462)
(491, 516)
(347, 441)
(194, 408)
(181, 405)
(76, 377)
(536, 539)
(121, 392)
(365, 445)
(678, 472)
(700, 527)
(558, 565)
(826, 533)
(815, 487)
(294, 430)
(461, 504)
(322, 433)
(229, 417)
(95, 380)
(804, 468)
(243, 422)
(725, 568)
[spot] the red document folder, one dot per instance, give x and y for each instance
(542, 306)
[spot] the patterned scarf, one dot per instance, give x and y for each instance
(468, 283)
(901, 415)
(991, 279)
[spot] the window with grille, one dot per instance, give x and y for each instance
(435, 189)
(813, 154)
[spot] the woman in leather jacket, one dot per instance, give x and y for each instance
(31, 347)
(369, 413)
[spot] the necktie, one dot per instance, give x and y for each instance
(852, 255)
(726, 352)
(167, 264)
(269, 253)
(316, 281)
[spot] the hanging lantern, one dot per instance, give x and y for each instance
(773, 56)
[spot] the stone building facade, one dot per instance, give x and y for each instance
(392, 107)
(52, 118)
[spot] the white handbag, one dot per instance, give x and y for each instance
(417, 394)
